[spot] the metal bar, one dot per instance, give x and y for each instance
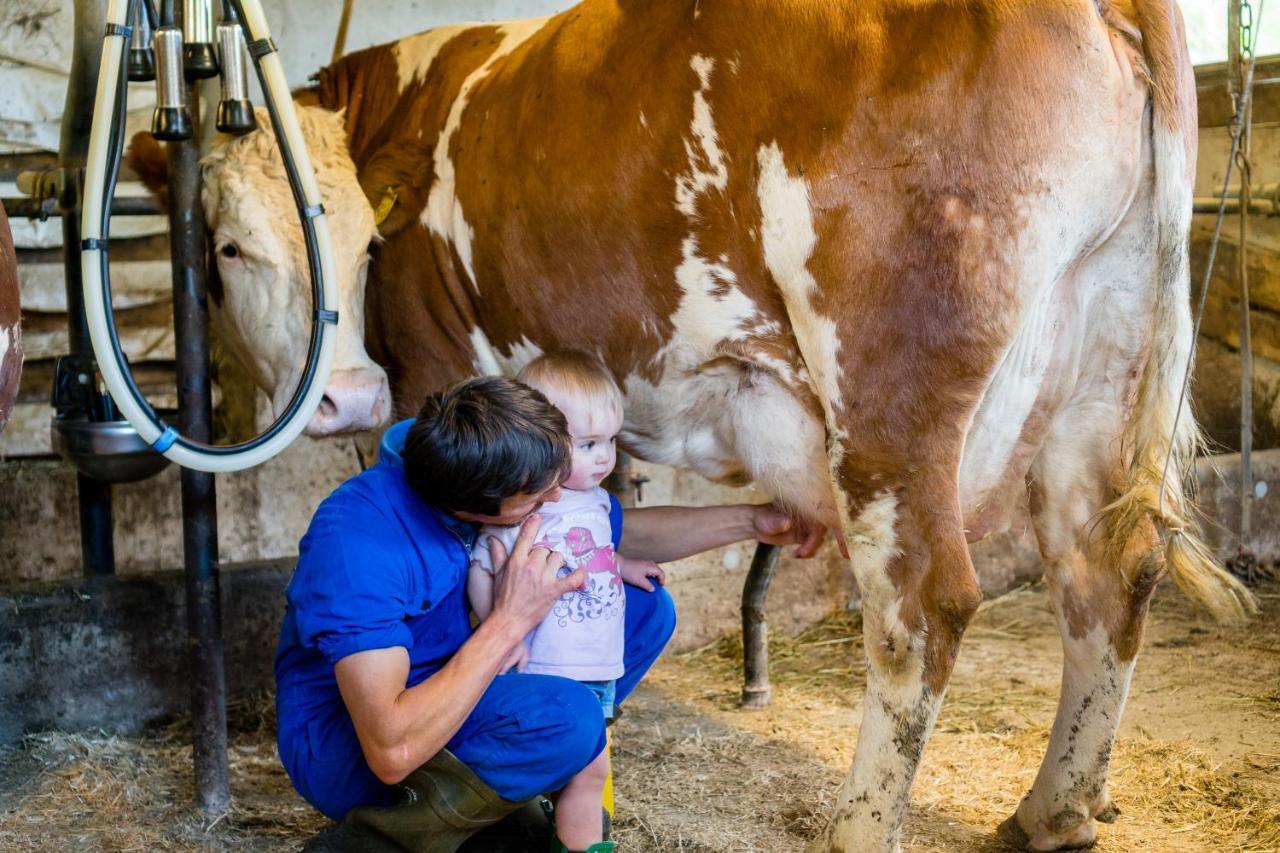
(199, 507)
(32, 208)
(94, 498)
(756, 691)
(97, 548)
(1257, 206)
(1268, 190)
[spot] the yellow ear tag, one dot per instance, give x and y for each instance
(385, 206)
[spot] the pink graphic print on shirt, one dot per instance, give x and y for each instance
(600, 596)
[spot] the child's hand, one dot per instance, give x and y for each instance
(518, 659)
(638, 573)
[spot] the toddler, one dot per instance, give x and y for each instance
(581, 638)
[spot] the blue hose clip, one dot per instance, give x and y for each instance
(166, 439)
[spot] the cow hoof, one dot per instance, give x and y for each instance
(1012, 835)
(1108, 814)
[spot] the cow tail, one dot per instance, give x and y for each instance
(1160, 460)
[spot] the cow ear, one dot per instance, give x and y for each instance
(147, 159)
(395, 180)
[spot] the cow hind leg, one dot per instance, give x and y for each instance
(1100, 592)
(918, 591)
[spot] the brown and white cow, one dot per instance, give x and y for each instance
(905, 263)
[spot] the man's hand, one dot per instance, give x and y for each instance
(638, 572)
(526, 585)
(775, 527)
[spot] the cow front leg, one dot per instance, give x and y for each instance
(918, 591)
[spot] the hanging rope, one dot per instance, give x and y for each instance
(340, 40)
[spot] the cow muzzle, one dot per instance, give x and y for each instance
(354, 400)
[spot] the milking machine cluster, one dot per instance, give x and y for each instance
(88, 428)
(189, 52)
(180, 55)
(107, 429)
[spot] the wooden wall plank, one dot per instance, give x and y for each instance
(1264, 271)
(1215, 105)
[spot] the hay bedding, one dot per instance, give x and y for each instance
(1197, 766)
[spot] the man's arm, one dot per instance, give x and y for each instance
(401, 728)
(666, 533)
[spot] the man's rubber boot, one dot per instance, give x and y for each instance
(441, 805)
(523, 831)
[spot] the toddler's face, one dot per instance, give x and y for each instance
(595, 448)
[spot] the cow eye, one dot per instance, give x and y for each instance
(229, 250)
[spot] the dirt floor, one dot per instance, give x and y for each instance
(1197, 766)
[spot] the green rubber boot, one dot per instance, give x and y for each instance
(441, 805)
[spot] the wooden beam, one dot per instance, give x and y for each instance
(1215, 104)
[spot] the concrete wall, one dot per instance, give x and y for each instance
(261, 514)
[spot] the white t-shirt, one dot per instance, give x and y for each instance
(581, 638)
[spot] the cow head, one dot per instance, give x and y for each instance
(262, 294)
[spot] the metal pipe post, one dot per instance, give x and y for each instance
(756, 691)
(96, 547)
(199, 507)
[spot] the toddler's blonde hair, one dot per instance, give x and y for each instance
(575, 375)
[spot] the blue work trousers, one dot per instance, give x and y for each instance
(528, 734)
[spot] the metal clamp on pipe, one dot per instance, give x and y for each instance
(106, 145)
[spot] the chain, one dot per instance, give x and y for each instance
(1246, 31)
(1245, 560)
(1240, 87)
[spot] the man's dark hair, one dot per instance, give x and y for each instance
(483, 441)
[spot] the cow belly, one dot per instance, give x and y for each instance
(734, 424)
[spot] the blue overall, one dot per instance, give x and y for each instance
(378, 568)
